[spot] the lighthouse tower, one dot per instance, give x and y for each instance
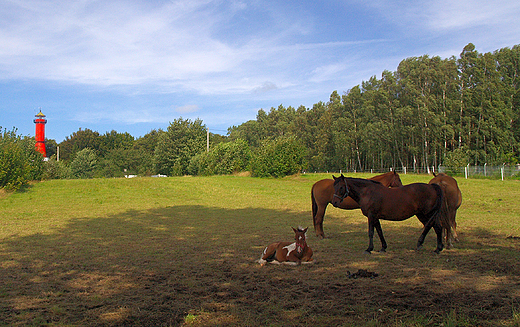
(40, 122)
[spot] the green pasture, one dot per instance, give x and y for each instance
(182, 251)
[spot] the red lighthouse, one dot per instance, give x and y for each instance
(40, 122)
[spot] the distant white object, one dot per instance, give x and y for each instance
(159, 175)
(130, 176)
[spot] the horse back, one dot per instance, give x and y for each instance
(400, 203)
(451, 189)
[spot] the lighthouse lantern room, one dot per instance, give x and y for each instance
(40, 122)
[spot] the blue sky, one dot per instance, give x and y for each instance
(133, 66)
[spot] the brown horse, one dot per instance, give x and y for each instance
(322, 193)
(453, 200)
(397, 204)
(291, 253)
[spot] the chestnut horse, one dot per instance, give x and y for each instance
(291, 253)
(397, 204)
(453, 200)
(322, 192)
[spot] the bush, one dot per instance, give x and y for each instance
(19, 160)
(278, 158)
(223, 159)
(55, 169)
(84, 164)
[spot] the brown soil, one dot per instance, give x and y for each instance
(164, 280)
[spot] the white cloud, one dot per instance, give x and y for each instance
(188, 109)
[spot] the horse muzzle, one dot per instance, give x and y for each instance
(336, 199)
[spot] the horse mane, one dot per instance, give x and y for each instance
(367, 180)
(363, 179)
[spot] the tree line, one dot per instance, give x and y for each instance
(430, 111)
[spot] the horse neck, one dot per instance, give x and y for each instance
(356, 186)
(387, 179)
(301, 243)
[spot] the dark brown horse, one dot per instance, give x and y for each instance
(397, 204)
(453, 200)
(322, 193)
(292, 253)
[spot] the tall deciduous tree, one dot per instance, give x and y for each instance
(178, 144)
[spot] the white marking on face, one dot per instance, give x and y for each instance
(290, 248)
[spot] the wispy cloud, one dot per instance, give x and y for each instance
(164, 46)
(187, 109)
(131, 62)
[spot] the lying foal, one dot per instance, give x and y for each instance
(288, 253)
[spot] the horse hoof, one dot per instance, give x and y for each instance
(367, 252)
(382, 251)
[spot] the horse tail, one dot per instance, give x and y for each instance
(314, 205)
(440, 210)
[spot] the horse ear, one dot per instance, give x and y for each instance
(294, 229)
(334, 177)
(305, 230)
(434, 174)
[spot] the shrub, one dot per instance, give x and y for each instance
(55, 169)
(84, 164)
(19, 160)
(278, 158)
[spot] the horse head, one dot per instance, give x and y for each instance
(341, 190)
(299, 236)
(396, 180)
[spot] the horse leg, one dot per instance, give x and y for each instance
(453, 224)
(438, 230)
(293, 260)
(307, 255)
(269, 254)
(318, 221)
(427, 226)
(377, 225)
(370, 236)
(448, 237)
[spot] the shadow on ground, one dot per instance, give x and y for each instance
(196, 265)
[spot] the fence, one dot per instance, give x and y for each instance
(498, 172)
(484, 171)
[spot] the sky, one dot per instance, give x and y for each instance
(135, 66)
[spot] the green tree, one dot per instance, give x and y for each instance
(84, 164)
(78, 141)
(19, 160)
(114, 140)
(178, 145)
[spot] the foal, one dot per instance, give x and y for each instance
(288, 253)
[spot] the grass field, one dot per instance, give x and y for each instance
(182, 251)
